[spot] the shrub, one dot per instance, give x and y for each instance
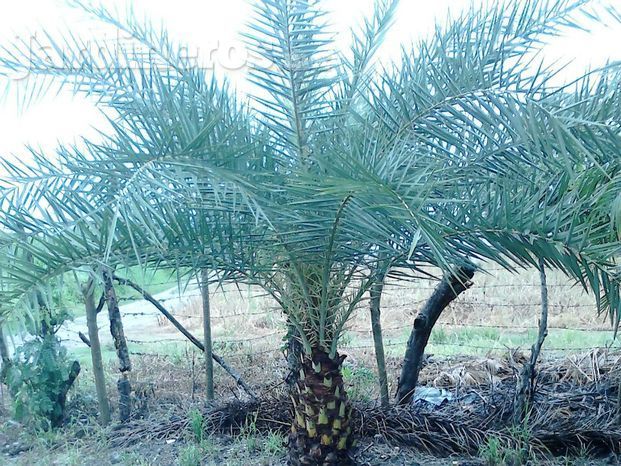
(39, 379)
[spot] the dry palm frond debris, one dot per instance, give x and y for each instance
(576, 405)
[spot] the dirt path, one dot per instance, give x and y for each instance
(141, 320)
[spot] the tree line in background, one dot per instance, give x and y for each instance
(335, 174)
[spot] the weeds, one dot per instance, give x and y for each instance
(492, 452)
(190, 455)
(514, 451)
(439, 336)
(362, 382)
(249, 432)
(39, 379)
(274, 444)
(208, 447)
(196, 425)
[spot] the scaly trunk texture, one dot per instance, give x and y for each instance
(446, 291)
(204, 286)
(93, 339)
(321, 431)
(120, 344)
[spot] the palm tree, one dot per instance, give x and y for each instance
(463, 151)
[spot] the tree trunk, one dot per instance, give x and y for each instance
(204, 286)
(376, 327)
(446, 291)
(320, 431)
(45, 316)
(93, 339)
(525, 388)
(120, 344)
(4, 356)
(58, 417)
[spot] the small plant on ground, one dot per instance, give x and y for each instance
(511, 451)
(134, 459)
(362, 382)
(274, 444)
(190, 455)
(208, 446)
(196, 425)
(491, 452)
(249, 433)
(439, 336)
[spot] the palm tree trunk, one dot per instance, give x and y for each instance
(321, 431)
(204, 286)
(120, 344)
(446, 291)
(93, 337)
(376, 328)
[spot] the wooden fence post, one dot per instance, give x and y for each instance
(204, 286)
(93, 338)
(120, 344)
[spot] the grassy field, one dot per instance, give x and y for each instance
(69, 297)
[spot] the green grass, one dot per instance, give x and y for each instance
(473, 340)
(154, 281)
(174, 350)
(190, 455)
(477, 340)
(361, 381)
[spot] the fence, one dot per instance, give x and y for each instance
(497, 314)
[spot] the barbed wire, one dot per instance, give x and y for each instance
(432, 344)
(386, 306)
(162, 300)
(394, 286)
(490, 326)
(416, 302)
(156, 313)
(418, 288)
(246, 347)
(345, 348)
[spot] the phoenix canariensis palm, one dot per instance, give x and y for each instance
(464, 151)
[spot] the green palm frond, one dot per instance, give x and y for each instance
(463, 151)
(296, 72)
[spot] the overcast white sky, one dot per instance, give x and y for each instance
(214, 26)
